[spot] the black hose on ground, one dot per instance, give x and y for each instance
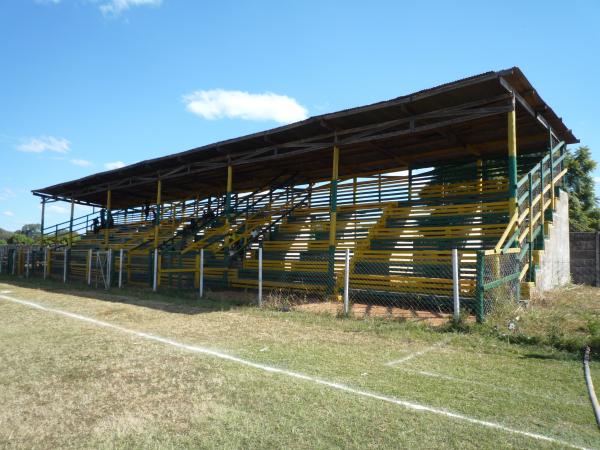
(590, 385)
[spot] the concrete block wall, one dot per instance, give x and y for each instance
(585, 258)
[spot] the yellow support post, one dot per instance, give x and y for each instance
(108, 206)
(158, 211)
(512, 161)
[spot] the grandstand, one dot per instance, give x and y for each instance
(474, 165)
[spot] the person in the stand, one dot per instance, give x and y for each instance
(146, 211)
(102, 218)
(111, 221)
(96, 225)
(153, 212)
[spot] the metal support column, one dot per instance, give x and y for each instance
(456, 284)
(71, 223)
(512, 160)
(333, 217)
(106, 217)
(157, 217)
(228, 195)
(43, 220)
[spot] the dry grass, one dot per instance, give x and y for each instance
(567, 318)
(69, 384)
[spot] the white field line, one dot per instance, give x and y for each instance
(416, 354)
(297, 375)
(491, 386)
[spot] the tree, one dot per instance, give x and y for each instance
(32, 230)
(584, 214)
(4, 234)
(20, 239)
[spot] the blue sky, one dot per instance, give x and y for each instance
(90, 83)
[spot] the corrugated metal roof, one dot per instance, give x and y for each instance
(485, 85)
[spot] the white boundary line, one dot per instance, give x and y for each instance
(415, 354)
(341, 387)
(491, 386)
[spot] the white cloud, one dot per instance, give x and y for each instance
(45, 143)
(597, 179)
(114, 165)
(219, 103)
(81, 162)
(9, 213)
(115, 7)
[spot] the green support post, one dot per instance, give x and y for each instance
(479, 291)
(542, 208)
(552, 203)
(531, 271)
(512, 163)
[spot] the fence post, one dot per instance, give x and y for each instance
(27, 259)
(14, 264)
(201, 274)
(89, 268)
(479, 300)
(347, 283)
(120, 268)
(155, 271)
(65, 266)
(109, 268)
(260, 276)
(456, 284)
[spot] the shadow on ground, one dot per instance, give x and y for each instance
(172, 301)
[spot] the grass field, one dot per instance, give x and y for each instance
(67, 382)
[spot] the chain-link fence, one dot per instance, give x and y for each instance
(499, 281)
(424, 284)
(411, 283)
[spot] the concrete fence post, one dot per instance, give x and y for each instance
(89, 268)
(456, 284)
(155, 271)
(65, 257)
(120, 268)
(347, 283)
(109, 268)
(260, 276)
(201, 274)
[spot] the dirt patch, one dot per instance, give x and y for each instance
(362, 311)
